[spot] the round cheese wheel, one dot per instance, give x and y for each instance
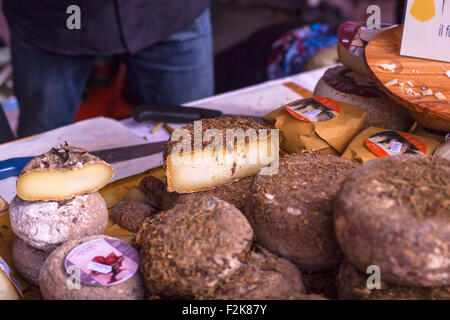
(394, 212)
(343, 84)
(27, 260)
(56, 284)
(47, 224)
(190, 249)
(291, 210)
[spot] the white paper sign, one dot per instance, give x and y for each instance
(426, 32)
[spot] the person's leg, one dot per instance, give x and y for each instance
(48, 86)
(6, 133)
(176, 70)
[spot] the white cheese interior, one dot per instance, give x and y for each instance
(7, 289)
(63, 184)
(185, 173)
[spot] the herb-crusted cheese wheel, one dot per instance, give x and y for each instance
(263, 277)
(394, 212)
(234, 192)
(47, 224)
(188, 250)
(54, 279)
(343, 84)
(291, 211)
(352, 285)
(28, 260)
(212, 161)
(61, 174)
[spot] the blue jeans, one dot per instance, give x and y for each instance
(48, 86)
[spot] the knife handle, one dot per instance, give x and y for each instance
(12, 167)
(172, 113)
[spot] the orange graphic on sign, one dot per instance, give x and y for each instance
(423, 10)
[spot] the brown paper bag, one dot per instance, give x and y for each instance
(316, 124)
(375, 142)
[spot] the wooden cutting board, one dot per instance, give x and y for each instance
(427, 110)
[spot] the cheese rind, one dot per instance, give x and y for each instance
(217, 167)
(62, 174)
(47, 224)
(211, 152)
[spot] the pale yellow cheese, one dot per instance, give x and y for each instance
(63, 184)
(7, 289)
(208, 168)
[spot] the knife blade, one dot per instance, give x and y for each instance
(12, 167)
(178, 114)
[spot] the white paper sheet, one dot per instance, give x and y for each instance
(93, 134)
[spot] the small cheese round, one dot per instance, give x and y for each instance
(234, 192)
(343, 84)
(394, 212)
(27, 260)
(53, 279)
(291, 210)
(130, 215)
(47, 224)
(352, 285)
(188, 250)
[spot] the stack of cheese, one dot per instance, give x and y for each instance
(57, 201)
(388, 126)
(351, 83)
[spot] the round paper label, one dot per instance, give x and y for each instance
(355, 36)
(102, 262)
(389, 143)
(348, 81)
(314, 109)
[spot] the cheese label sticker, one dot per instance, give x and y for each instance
(355, 36)
(389, 143)
(348, 81)
(314, 109)
(10, 274)
(102, 262)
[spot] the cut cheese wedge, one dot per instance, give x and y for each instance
(205, 167)
(62, 175)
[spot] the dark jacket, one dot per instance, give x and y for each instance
(107, 26)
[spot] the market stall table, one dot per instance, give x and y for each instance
(101, 133)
